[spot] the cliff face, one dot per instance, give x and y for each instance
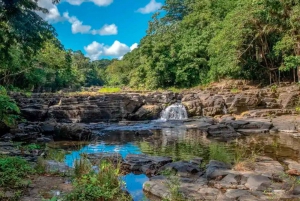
(138, 106)
(96, 108)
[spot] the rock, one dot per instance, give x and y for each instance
(57, 167)
(147, 112)
(182, 168)
(258, 183)
(6, 137)
(95, 159)
(288, 99)
(194, 107)
(72, 132)
(221, 130)
(292, 165)
(268, 167)
(236, 194)
(48, 127)
(209, 193)
(157, 188)
(229, 181)
(216, 168)
(252, 131)
(144, 163)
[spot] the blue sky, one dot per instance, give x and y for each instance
(101, 28)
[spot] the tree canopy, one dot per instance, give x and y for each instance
(192, 42)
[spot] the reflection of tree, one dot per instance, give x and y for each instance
(178, 143)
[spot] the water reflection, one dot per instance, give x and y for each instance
(134, 185)
(182, 144)
(124, 149)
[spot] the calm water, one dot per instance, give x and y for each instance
(182, 144)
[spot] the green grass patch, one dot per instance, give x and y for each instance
(92, 186)
(219, 152)
(14, 176)
(55, 154)
(235, 90)
(110, 90)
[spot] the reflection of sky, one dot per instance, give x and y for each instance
(134, 183)
(123, 149)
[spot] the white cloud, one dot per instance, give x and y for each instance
(77, 26)
(106, 30)
(117, 50)
(97, 2)
(53, 15)
(133, 46)
(151, 7)
(94, 50)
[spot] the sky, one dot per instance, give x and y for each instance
(100, 28)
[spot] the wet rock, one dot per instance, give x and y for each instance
(182, 168)
(258, 183)
(144, 163)
(72, 132)
(221, 130)
(216, 168)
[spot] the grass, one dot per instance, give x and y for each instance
(55, 154)
(219, 152)
(173, 185)
(14, 174)
(92, 186)
(110, 90)
(235, 91)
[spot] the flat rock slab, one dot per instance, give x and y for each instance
(182, 168)
(144, 163)
(268, 167)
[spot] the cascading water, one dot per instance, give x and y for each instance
(176, 111)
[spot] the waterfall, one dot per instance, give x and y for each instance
(176, 111)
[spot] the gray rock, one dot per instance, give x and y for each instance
(96, 158)
(216, 168)
(57, 167)
(135, 162)
(258, 183)
(182, 168)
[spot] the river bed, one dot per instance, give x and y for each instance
(180, 143)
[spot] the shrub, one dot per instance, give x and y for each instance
(219, 152)
(92, 186)
(9, 111)
(13, 171)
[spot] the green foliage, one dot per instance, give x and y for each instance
(195, 42)
(219, 152)
(173, 185)
(8, 109)
(13, 172)
(104, 185)
(110, 90)
(55, 154)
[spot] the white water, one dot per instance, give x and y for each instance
(176, 111)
